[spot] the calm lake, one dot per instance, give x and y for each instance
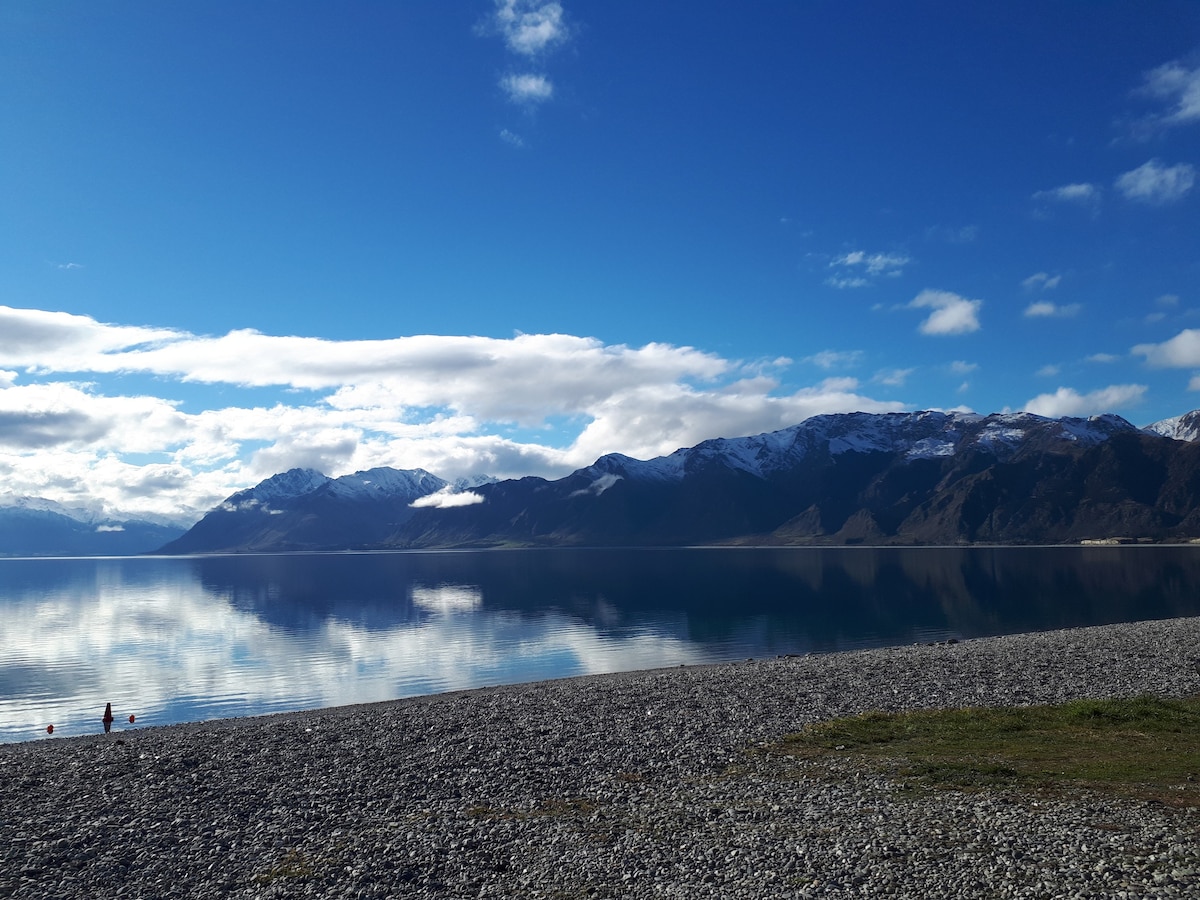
(189, 638)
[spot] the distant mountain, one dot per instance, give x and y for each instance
(302, 509)
(857, 478)
(1181, 428)
(34, 526)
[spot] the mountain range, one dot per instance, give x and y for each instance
(34, 526)
(854, 478)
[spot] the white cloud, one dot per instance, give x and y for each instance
(961, 367)
(1069, 402)
(527, 88)
(447, 499)
(892, 377)
(514, 140)
(454, 405)
(1103, 358)
(835, 359)
(852, 281)
(597, 487)
(1154, 183)
(1048, 371)
(870, 265)
(1083, 194)
(951, 314)
(1046, 309)
(531, 27)
(36, 339)
(1179, 86)
(1041, 281)
(874, 263)
(1180, 352)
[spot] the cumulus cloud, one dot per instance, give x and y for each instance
(1180, 352)
(951, 314)
(446, 499)
(513, 140)
(1069, 402)
(962, 367)
(541, 404)
(1046, 309)
(527, 88)
(1157, 184)
(530, 27)
(1103, 358)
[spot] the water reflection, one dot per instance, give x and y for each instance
(191, 638)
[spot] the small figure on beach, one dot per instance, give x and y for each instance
(108, 718)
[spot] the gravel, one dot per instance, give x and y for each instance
(645, 784)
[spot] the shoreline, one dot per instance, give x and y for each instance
(630, 784)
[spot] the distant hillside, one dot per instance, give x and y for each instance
(304, 510)
(31, 526)
(858, 478)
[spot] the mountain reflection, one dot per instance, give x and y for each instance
(193, 638)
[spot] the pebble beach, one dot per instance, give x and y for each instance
(657, 783)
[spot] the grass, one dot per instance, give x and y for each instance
(1142, 747)
(293, 865)
(573, 807)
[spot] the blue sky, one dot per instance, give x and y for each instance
(507, 236)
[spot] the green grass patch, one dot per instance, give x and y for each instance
(293, 865)
(1144, 747)
(574, 807)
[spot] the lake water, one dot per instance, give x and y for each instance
(190, 638)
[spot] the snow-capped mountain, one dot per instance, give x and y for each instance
(36, 526)
(918, 435)
(895, 478)
(11, 501)
(385, 482)
(284, 486)
(304, 509)
(1179, 428)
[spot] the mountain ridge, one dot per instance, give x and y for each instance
(889, 478)
(36, 526)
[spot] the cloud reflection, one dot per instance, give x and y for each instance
(180, 650)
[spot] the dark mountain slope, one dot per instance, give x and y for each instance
(899, 478)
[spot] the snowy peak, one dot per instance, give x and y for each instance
(381, 483)
(465, 484)
(9, 500)
(928, 434)
(385, 483)
(285, 485)
(1179, 428)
